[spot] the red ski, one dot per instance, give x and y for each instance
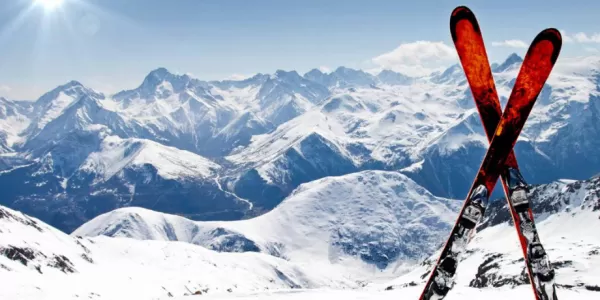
(539, 61)
(469, 44)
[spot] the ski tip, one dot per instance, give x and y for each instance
(551, 35)
(462, 13)
(461, 9)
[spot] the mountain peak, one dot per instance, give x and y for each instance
(157, 76)
(160, 72)
(281, 74)
(345, 70)
(286, 73)
(514, 57)
(70, 88)
(390, 77)
(451, 73)
(314, 72)
(160, 75)
(72, 83)
(512, 60)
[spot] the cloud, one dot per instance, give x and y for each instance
(5, 88)
(510, 43)
(417, 58)
(580, 37)
(238, 77)
(584, 38)
(325, 69)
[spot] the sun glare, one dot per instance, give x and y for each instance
(49, 4)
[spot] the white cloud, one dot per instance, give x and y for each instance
(5, 88)
(325, 69)
(417, 58)
(510, 43)
(238, 77)
(584, 38)
(566, 38)
(580, 37)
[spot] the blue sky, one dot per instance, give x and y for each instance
(112, 44)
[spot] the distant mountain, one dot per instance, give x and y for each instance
(393, 78)
(344, 78)
(92, 172)
(513, 61)
(14, 118)
(273, 132)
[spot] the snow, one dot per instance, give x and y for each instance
(166, 266)
(107, 268)
(267, 147)
(13, 121)
(115, 154)
(387, 120)
(55, 109)
(381, 120)
(520, 293)
(365, 213)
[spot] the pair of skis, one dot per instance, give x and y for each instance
(502, 130)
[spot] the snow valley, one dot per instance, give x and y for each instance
(230, 150)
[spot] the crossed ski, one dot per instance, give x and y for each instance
(502, 132)
(469, 44)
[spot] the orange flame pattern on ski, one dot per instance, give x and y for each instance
(546, 47)
(469, 44)
(536, 68)
(482, 87)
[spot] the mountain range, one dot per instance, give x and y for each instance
(232, 150)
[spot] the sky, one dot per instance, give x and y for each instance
(111, 45)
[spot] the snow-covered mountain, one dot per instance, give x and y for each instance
(40, 262)
(273, 132)
(13, 120)
(156, 257)
(370, 219)
(91, 172)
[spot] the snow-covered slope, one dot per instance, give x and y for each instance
(37, 261)
(354, 129)
(72, 267)
(115, 154)
(92, 172)
(567, 218)
(40, 262)
(13, 120)
(55, 103)
(369, 220)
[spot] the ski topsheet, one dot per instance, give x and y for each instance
(470, 47)
(538, 63)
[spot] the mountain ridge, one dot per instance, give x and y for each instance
(271, 133)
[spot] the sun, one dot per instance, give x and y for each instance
(49, 4)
